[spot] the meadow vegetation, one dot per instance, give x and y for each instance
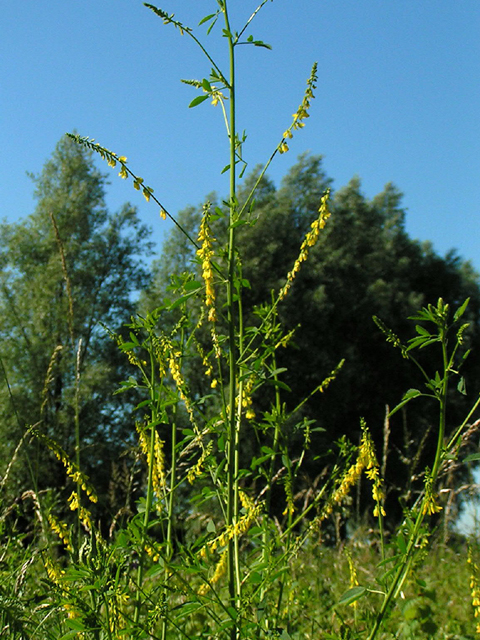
(192, 467)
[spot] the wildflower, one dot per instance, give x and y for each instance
(430, 506)
(62, 531)
(290, 508)
(147, 192)
(239, 528)
(302, 112)
(205, 253)
(217, 96)
(71, 468)
(219, 572)
(367, 452)
(353, 574)
(158, 476)
(137, 183)
(309, 241)
(474, 586)
(247, 399)
(53, 572)
(196, 471)
(163, 214)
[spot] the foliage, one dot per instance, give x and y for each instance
(363, 264)
(242, 566)
(66, 268)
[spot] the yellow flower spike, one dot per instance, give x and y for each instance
(474, 586)
(205, 253)
(62, 531)
(430, 506)
(310, 240)
(353, 573)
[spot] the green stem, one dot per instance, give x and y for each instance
(405, 564)
(149, 498)
(232, 482)
(173, 480)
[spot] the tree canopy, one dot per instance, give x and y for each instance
(364, 264)
(65, 269)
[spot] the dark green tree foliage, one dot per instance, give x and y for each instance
(103, 255)
(364, 264)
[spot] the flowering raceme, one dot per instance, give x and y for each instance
(205, 253)
(309, 241)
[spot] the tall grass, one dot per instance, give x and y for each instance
(244, 567)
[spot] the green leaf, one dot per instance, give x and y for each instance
(207, 18)
(259, 43)
(459, 312)
(198, 100)
(75, 623)
(352, 595)
(422, 331)
(409, 395)
(206, 85)
(225, 169)
(461, 386)
(472, 457)
(193, 285)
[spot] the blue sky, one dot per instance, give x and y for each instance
(397, 100)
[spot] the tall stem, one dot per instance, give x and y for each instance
(232, 486)
(149, 499)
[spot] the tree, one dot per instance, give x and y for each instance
(364, 264)
(65, 269)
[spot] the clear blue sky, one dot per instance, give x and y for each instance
(397, 100)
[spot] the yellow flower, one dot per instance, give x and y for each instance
(430, 506)
(309, 241)
(205, 253)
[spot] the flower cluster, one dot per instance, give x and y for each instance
(310, 240)
(71, 468)
(247, 403)
(220, 570)
(158, 477)
(238, 529)
(197, 469)
(302, 112)
(62, 531)
(112, 159)
(474, 586)
(430, 505)
(205, 253)
(367, 451)
(366, 460)
(353, 574)
(158, 461)
(84, 515)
